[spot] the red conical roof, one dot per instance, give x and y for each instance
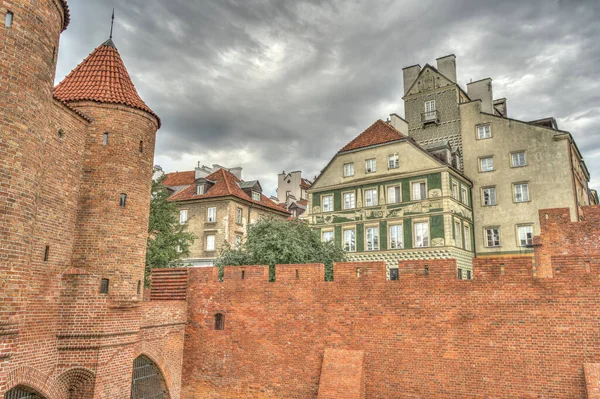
(101, 77)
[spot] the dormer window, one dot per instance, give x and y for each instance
(255, 196)
(200, 189)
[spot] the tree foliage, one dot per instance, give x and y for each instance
(165, 234)
(271, 242)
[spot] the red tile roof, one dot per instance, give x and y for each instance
(101, 77)
(226, 184)
(179, 178)
(305, 184)
(378, 133)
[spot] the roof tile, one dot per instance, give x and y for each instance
(378, 133)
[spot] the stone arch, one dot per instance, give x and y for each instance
(155, 355)
(147, 380)
(30, 377)
(76, 383)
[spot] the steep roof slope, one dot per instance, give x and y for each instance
(378, 133)
(101, 77)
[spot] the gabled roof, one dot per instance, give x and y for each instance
(378, 133)
(305, 184)
(247, 185)
(101, 77)
(226, 184)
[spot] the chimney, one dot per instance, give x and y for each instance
(237, 172)
(447, 66)
(399, 124)
(200, 171)
(482, 90)
(410, 75)
(500, 106)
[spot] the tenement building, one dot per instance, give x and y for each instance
(75, 177)
(218, 207)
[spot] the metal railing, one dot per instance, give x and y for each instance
(430, 117)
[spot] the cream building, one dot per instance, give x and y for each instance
(517, 167)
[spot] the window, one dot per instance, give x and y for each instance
(458, 234)
(210, 243)
(123, 200)
(525, 236)
(141, 146)
(371, 197)
(219, 321)
(518, 159)
(429, 109)
(211, 216)
(521, 192)
(61, 133)
(238, 241)
(455, 190)
(486, 164)
(393, 195)
(393, 162)
(421, 234)
(9, 19)
(46, 253)
(105, 139)
(327, 203)
(256, 196)
(419, 191)
(467, 237)
(139, 287)
(348, 169)
(327, 236)
(372, 238)
(468, 274)
(349, 202)
(179, 249)
(200, 189)
(460, 274)
(183, 216)
(238, 215)
(484, 132)
(489, 196)
(464, 195)
(350, 240)
(104, 286)
(492, 237)
(394, 273)
(396, 237)
(371, 165)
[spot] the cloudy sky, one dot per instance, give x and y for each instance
(274, 85)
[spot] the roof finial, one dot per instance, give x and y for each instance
(112, 23)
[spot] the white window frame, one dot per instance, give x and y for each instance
(349, 246)
(418, 232)
(373, 231)
(412, 190)
(396, 239)
(486, 129)
(352, 203)
(393, 161)
(519, 164)
(455, 190)
(200, 189)
(372, 168)
(393, 188)
(239, 215)
(495, 237)
(486, 164)
(494, 196)
(374, 198)
(467, 231)
(256, 196)
(330, 204)
(429, 108)
(528, 240)
(349, 169)
(521, 192)
(183, 216)
(458, 233)
(211, 218)
(330, 234)
(210, 242)
(464, 195)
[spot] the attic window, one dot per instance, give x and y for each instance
(200, 189)
(9, 19)
(255, 196)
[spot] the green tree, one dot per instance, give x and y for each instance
(271, 242)
(165, 234)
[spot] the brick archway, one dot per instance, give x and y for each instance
(155, 355)
(76, 383)
(32, 378)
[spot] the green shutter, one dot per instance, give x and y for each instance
(360, 237)
(437, 226)
(337, 235)
(316, 197)
(407, 234)
(383, 233)
(337, 200)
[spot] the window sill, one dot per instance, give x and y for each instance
(521, 202)
(487, 171)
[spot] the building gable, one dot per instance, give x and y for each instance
(429, 78)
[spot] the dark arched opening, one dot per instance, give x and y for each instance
(21, 392)
(147, 381)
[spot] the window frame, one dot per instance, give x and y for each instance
(486, 157)
(414, 230)
(513, 153)
(455, 194)
(483, 195)
(256, 196)
(327, 231)
(206, 243)
(200, 189)
(394, 158)
(387, 193)
(526, 184)
(183, 212)
(239, 215)
(467, 236)
(344, 230)
(431, 109)
(412, 183)
(344, 168)
(458, 235)
(374, 169)
(323, 202)
(519, 227)
(208, 212)
(377, 236)
(399, 226)
(464, 194)
(483, 125)
(486, 237)
(376, 197)
(353, 199)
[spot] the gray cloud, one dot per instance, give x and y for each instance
(275, 85)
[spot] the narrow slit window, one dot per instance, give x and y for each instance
(61, 133)
(460, 274)
(297, 273)
(123, 200)
(219, 321)
(104, 286)
(9, 19)
(105, 139)
(243, 274)
(46, 253)
(426, 271)
(141, 146)
(139, 287)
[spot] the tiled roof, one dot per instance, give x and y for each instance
(305, 184)
(225, 184)
(378, 133)
(179, 178)
(101, 77)
(67, 14)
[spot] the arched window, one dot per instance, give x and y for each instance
(147, 381)
(21, 392)
(219, 321)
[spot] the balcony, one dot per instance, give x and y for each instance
(430, 117)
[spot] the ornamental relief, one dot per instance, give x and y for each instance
(460, 210)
